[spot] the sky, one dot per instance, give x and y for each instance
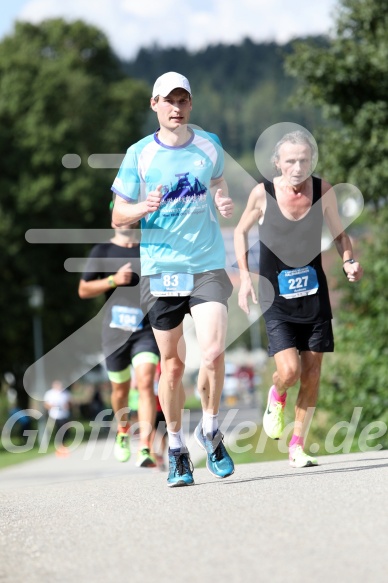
(194, 24)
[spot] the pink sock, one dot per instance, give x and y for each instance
(296, 440)
(277, 397)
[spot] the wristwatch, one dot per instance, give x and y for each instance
(347, 261)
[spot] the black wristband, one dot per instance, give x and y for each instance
(347, 261)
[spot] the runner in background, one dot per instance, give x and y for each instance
(113, 270)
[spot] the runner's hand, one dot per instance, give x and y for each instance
(354, 271)
(246, 290)
(224, 204)
(153, 199)
(124, 275)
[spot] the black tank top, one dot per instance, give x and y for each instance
(287, 245)
(105, 259)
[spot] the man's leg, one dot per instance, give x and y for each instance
(287, 374)
(308, 392)
(171, 393)
(119, 400)
(147, 404)
(288, 370)
(120, 382)
(304, 408)
(172, 400)
(210, 321)
(144, 365)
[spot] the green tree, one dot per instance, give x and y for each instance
(358, 372)
(238, 90)
(349, 80)
(62, 90)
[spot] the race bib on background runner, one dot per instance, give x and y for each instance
(171, 284)
(296, 283)
(126, 318)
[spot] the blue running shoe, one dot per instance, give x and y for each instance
(180, 468)
(219, 463)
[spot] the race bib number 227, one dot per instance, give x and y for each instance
(296, 283)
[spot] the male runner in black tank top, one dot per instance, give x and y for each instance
(293, 290)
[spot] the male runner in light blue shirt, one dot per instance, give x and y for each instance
(173, 182)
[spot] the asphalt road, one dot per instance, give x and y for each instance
(73, 519)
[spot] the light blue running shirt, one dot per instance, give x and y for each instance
(184, 234)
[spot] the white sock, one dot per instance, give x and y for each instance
(209, 423)
(176, 439)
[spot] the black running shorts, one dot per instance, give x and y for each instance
(317, 337)
(126, 347)
(166, 313)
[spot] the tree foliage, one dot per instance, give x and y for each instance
(358, 375)
(349, 80)
(238, 90)
(62, 90)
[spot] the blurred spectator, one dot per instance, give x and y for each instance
(231, 384)
(57, 402)
(246, 377)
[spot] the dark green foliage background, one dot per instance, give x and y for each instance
(62, 90)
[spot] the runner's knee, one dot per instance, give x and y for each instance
(172, 372)
(120, 391)
(213, 356)
(289, 376)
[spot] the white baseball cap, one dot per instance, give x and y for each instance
(168, 82)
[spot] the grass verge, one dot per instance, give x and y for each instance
(8, 458)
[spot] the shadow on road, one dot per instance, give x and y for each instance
(301, 473)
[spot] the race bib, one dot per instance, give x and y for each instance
(171, 284)
(295, 283)
(126, 318)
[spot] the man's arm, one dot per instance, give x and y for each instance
(96, 287)
(352, 268)
(251, 215)
(126, 213)
(93, 289)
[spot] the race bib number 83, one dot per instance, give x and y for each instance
(171, 284)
